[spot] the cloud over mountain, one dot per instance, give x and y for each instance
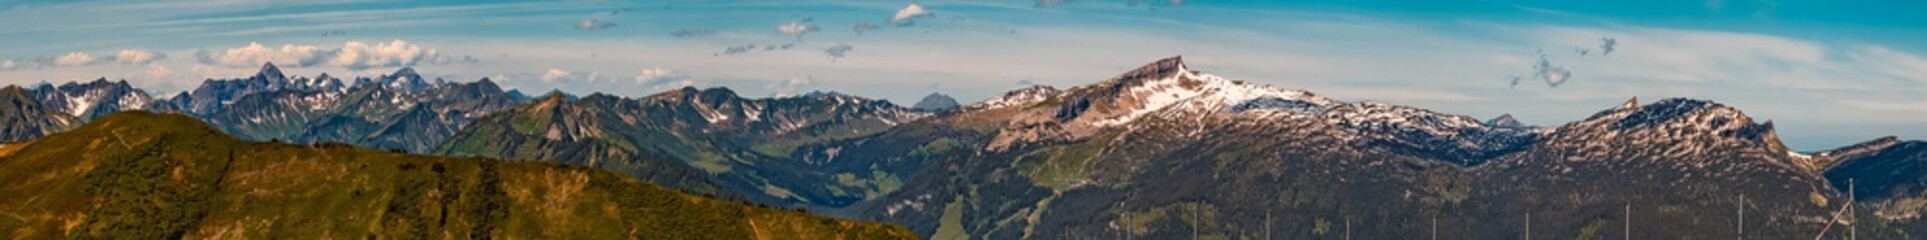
(353, 55)
(75, 59)
(661, 78)
(137, 56)
(555, 74)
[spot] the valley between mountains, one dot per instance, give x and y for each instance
(1159, 152)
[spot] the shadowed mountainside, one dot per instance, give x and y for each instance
(148, 176)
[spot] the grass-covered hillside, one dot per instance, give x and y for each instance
(139, 175)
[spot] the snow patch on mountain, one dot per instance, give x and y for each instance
(1020, 97)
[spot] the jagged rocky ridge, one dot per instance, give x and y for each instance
(140, 175)
(1160, 151)
(1167, 152)
(400, 111)
(24, 118)
(701, 140)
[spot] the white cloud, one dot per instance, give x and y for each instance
(661, 78)
(159, 71)
(1896, 106)
(137, 56)
(797, 28)
(9, 65)
(354, 55)
(1895, 64)
(358, 55)
(593, 24)
(555, 74)
(75, 59)
(650, 74)
(789, 86)
(908, 15)
(254, 54)
(204, 70)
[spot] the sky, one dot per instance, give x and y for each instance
(1828, 73)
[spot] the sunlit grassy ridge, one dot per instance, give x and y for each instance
(142, 175)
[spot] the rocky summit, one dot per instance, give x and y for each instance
(1159, 151)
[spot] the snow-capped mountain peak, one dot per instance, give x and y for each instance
(405, 80)
(1020, 97)
(1169, 83)
(91, 99)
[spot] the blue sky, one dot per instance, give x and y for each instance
(1829, 73)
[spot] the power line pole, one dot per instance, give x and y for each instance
(1742, 211)
(1853, 232)
(1629, 220)
(1528, 225)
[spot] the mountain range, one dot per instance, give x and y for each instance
(140, 175)
(1161, 151)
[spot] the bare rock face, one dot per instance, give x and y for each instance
(24, 118)
(1147, 153)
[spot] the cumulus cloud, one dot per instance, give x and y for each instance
(137, 56)
(159, 71)
(652, 73)
(254, 54)
(797, 28)
(555, 74)
(203, 69)
(908, 15)
(789, 86)
(352, 55)
(660, 78)
(75, 59)
(593, 24)
(358, 55)
(838, 51)
(593, 76)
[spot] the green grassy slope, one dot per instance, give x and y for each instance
(143, 176)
